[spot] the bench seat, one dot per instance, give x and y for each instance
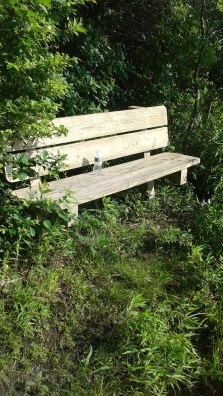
(88, 187)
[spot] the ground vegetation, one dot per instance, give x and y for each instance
(128, 301)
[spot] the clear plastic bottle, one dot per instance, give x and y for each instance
(97, 163)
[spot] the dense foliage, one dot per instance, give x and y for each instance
(129, 300)
(31, 66)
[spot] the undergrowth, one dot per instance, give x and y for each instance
(128, 301)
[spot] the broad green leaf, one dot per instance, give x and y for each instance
(32, 231)
(44, 154)
(47, 224)
(46, 3)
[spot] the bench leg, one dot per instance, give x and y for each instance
(150, 185)
(74, 210)
(150, 189)
(178, 177)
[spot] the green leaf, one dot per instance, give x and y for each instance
(102, 368)
(46, 190)
(47, 224)
(12, 231)
(30, 383)
(44, 387)
(44, 154)
(46, 3)
(32, 231)
(87, 360)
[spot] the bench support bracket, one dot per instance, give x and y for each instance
(74, 210)
(150, 185)
(178, 177)
(150, 189)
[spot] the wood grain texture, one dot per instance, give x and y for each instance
(88, 187)
(92, 126)
(82, 153)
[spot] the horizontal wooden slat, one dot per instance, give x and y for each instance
(87, 187)
(81, 154)
(91, 126)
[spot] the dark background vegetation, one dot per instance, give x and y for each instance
(129, 300)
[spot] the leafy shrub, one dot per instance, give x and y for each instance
(209, 223)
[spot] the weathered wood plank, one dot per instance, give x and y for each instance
(88, 187)
(81, 154)
(91, 126)
(178, 177)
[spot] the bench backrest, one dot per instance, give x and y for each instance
(117, 134)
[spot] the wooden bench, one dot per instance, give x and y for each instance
(117, 134)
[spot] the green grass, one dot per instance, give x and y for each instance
(125, 302)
